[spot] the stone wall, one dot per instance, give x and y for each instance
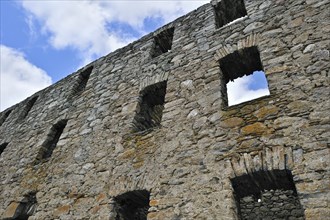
(273, 204)
(187, 159)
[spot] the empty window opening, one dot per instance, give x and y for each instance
(82, 80)
(50, 143)
(5, 116)
(267, 195)
(28, 107)
(227, 11)
(25, 208)
(3, 147)
(151, 106)
(163, 42)
(243, 77)
(132, 205)
(247, 88)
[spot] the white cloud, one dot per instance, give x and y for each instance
(238, 91)
(82, 25)
(134, 12)
(18, 77)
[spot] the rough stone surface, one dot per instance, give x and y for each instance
(187, 161)
(278, 204)
(11, 209)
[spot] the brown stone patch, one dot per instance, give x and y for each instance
(154, 202)
(317, 213)
(11, 209)
(95, 209)
(74, 194)
(138, 146)
(276, 69)
(249, 143)
(296, 22)
(266, 111)
(81, 202)
(138, 164)
(62, 210)
(299, 106)
(128, 154)
(254, 129)
(101, 197)
(232, 122)
(152, 215)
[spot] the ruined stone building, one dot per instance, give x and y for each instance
(146, 131)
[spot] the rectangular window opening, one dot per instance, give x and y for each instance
(50, 143)
(267, 195)
(163, 42)
(243, 77)
(3, 147)
(28, 107)
(150, 109)
(227, 11)
(132, 205)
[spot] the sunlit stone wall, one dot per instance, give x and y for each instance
(197, 144)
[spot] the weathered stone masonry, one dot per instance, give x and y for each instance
(145, 132)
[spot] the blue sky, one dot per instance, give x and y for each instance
(43, 41)
(17, 32)
(247, 88)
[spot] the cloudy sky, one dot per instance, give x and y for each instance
(43, 41)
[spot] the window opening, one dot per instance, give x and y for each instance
(151, 106)
(82, 80)
(132, 205)
(50, 143)
(28, 107)
(163, 42)
(247, 88)
(243, 77)
(267, 195)
(5, 116)
(3, 147)
(26, 207)
(227, 11)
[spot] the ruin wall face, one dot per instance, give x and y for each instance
(146, 131)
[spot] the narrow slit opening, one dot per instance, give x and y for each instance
(5, 116)
(3, 147)
(82, 81)
(28, 107)
(51, 141)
